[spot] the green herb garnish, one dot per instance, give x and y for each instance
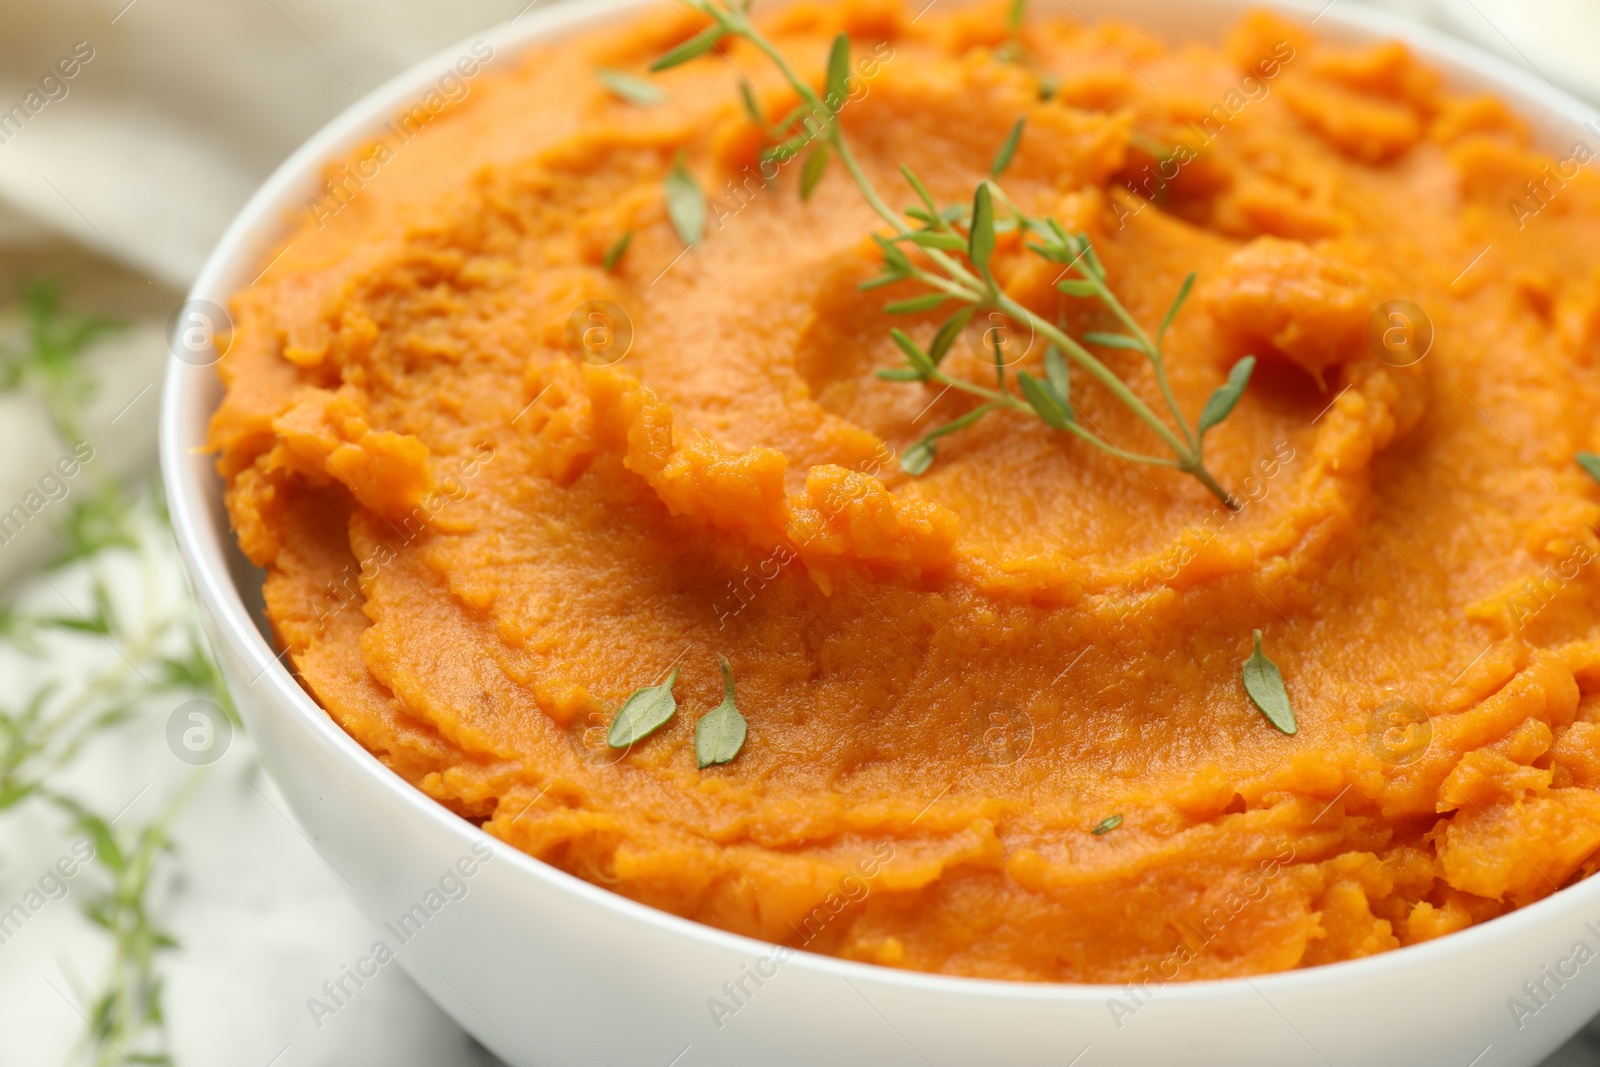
(1002, 158)
(1220, 403)
(50, 363)
(1106, 825)
(1590, 464)
(719, 735)
(614, 253)
(634, 90)
(811, 171)
(51, 715)
(643, 713)
(953, 246)
(1014, 51)
(1015, 16)
(686, 204)
(1264, 682)
(44, 730)
(702, 42)
(129, 1005)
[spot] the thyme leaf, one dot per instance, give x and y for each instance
(919, 360)
(980, 238)
(747, 96)
(1221, 402)
(643, 713)
(698, 45)
(1046, 401)
(686, 204)
(1106, 825)
(1114, 340)
(614, 253)
(812, 170)
(1177, 305)
(1008, 150)
(916, 305)
(720, 733)
(916, 459)
(633, 89)
(1059, 374)
(838, 85)
(1014, 16)
(1264, 682)
(947, 335)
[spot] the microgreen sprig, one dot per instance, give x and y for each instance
(948, 251)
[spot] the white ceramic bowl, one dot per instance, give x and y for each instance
(546, 969)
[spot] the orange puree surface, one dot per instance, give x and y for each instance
(478, 544)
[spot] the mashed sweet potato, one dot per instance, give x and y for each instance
(480, 537)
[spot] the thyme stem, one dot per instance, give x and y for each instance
(972, 281)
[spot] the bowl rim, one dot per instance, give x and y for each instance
(205, 540)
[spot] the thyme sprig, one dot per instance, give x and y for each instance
(46, 722)
(44, 730)
(948, 252)
(50, 361)
(128, 1005)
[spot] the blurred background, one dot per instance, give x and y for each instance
(157, 903)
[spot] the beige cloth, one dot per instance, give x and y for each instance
(185, 107)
